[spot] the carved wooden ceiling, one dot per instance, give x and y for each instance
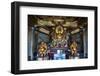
(71, 23)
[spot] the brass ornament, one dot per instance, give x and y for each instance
(42, 49)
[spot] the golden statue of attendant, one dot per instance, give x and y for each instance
(42, 49)
(73, 48)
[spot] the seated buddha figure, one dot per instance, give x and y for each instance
(73, 48)
(42, 49)
(59, 32)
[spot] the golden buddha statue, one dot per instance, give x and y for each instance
(59, 31)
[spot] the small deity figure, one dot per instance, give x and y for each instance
(73, 48)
